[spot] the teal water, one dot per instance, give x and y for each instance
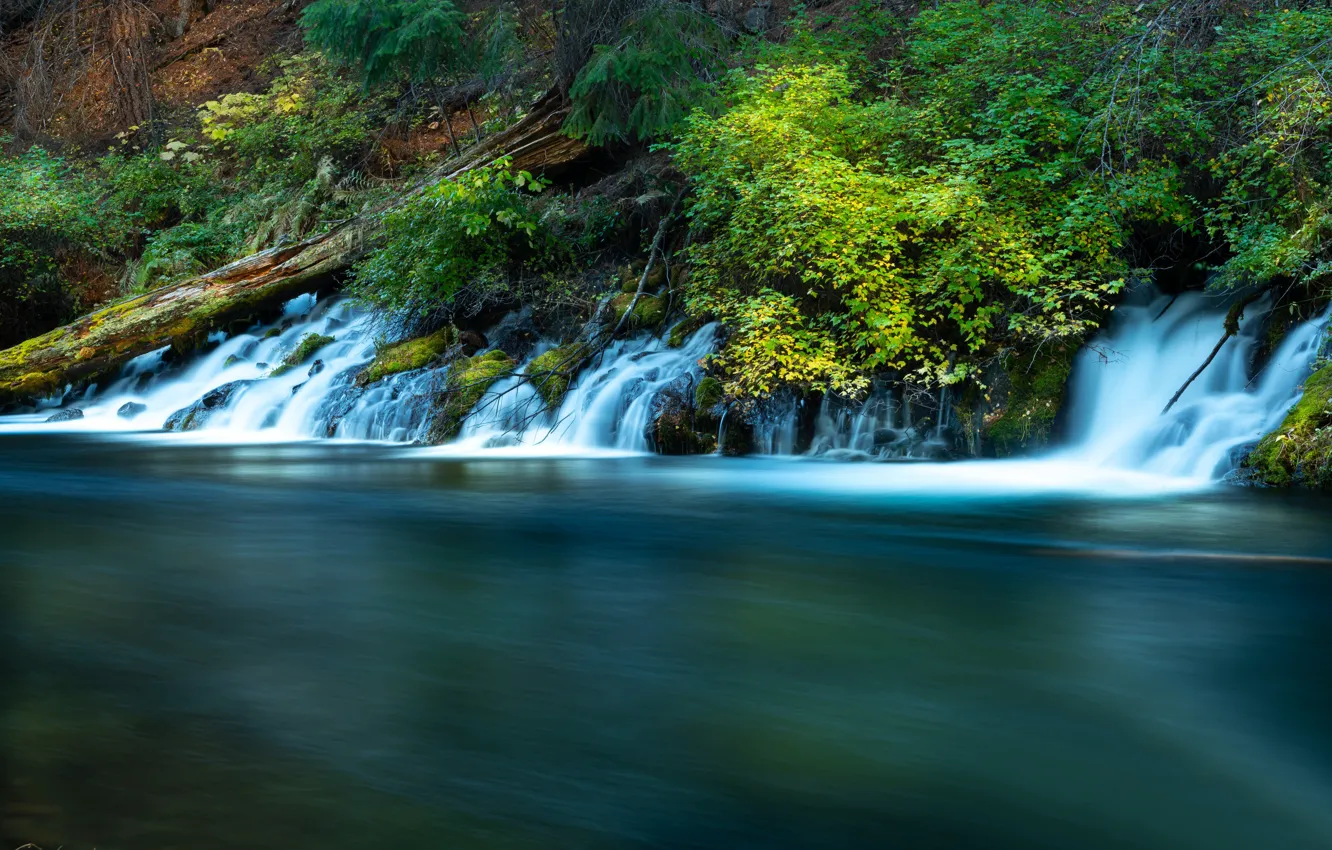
(358, 646)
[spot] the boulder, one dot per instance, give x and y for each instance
(472, 342)
(196, 415)
(67, 415)
(315, 368)
(131, 409)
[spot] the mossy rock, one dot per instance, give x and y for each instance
(649, 312)
(708, 394)
(273, 333)
(309, 344)
(469, 380)
(552, 372)
(1300, 450)
(1035, 395)
(631, 275)
(685, 329)
(406, 356)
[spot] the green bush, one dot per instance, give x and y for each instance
(476, 229)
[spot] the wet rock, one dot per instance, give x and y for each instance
(261, 365)
(131, 409)
(516, 334)
(297, 388)
(336, 405)
(472, 342)
(68, 415)
(315, 368)
(232, 361)
(197, 415)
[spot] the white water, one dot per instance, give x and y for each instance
(1124, 380)
(609, 406)
(1114, 419)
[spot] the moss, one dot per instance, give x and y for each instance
(649, 312)
(553, 371)
(1035, 395)
(309, 344)
(405, 356)
(1300, 450)
(708, 394)
(273, 333)
(685, 329)
(469, 380)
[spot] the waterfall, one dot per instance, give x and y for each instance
(1112, 416)
(1123, 380)
(609, 406)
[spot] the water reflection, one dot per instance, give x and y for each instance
(345, 646)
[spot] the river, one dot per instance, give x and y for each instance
(339, 645)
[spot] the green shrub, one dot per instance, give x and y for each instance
(452, 235)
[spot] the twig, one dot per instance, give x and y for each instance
(1232, 327)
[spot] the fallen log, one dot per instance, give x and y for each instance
(183, 314)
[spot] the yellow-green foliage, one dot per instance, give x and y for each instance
(1300, 451)
(552, 372)
(469, 380)
(917, 264)
(1035, 395)
(406, 356)
(305, 349)
(649, 312)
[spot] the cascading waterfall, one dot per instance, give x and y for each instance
(1113, 414)
(609, 406)
(282, 407)
(1123, 381)
(1120, 385)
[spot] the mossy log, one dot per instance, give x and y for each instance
(183, 314)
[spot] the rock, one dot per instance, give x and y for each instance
(676, 428)
(67, 415)
(273, 333)
(131, 409)
(261, 365)
(756, 19)
(469, 380)
(406, 356)
(708, 394)
(297, 388)
(649, 311)
(335, 406)
(315, 368)
(305, 349)
(197, 415)
(515, 335)
(472, 342)
(552, 372)
(232, 361)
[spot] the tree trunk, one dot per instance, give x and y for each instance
(183, 314)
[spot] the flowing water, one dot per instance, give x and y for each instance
(247, 638)
(1124, 381)
(338, 645)
(1113, 418)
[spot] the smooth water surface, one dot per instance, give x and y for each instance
(324, 645)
